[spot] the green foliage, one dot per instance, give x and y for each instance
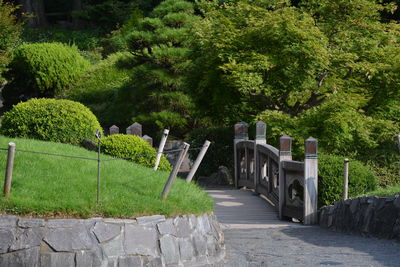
(129, 146)
(10, 30)
(220, 152)
(42, 69)
(83, 39)
(47, 186)
(62, 121)
(158, 43)
(330, 179)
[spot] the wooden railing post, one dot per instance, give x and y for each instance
(9, 168)
(285, 153)
(161, 148)
(311, 182)
(261, 131)
(241, 134)
(199, 158)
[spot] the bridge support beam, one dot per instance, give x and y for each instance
(241, 134)
(261, 131)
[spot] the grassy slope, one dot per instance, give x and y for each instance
(385, 191)
(54, 186)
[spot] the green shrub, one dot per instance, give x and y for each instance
(10, 30)
(220, 152)
(62, 121)
(330, 179)
(41, 70)
(127, 146)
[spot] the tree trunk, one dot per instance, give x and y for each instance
(36, 9)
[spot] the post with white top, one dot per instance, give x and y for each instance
(285, 153)
(241, 134)
(198, 161)
(261, 132)
(161, 148)
(9, 168)
(398, 141)
(346, 179)
(311, 182)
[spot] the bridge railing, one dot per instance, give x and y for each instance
(292, 186)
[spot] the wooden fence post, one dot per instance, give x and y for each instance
(346, 179)
(9, 168)
(135, 129)
(161, 148)
(261, 131)
(311, 181)
(285, 153)
(241, 134)
(148, 139)
(198, 161)
(175, 170)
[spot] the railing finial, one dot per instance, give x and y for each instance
(241, 130)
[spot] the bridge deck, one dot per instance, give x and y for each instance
(244, 209)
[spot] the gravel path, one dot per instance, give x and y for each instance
(265, 241)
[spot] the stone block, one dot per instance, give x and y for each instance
(152, 262)
(203, 224)
(106, 231)
(30, 223)
(141, 240)
(355, 205)
(27, 238)
(200, 245)
(167, 228)
(26, 257)
(150, 219)
(186, 249)
(396, 202)
(114, 247)
(57, 259)
(85, 259)
(182, 227)
(7, 221)
(192, 221)
(169, 249)
(7, 238)
(130, 261)
(211, 246)
(69, 239)
(120, 221)
(62, 223)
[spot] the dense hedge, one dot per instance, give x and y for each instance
(62, 121)
(330, 179)
(220, 152)
(42, 70)
(127, 146)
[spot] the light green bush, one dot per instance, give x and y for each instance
(127, 146)
(61, 121)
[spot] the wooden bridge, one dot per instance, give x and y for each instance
(279, 189)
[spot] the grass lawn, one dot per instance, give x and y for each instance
(385, 191)
(51, 186)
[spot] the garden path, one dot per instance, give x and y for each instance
(255, 237)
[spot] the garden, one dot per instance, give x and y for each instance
(327, 69)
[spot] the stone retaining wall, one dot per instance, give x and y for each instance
(145, 241)
(368, 215)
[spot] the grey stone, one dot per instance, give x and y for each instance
(106, 231)
(89, 144)
(112, 262)
(166, 228)
(203, 224)
(113, 247)
(8, 221)
(182, 227)
(220, 177)
(152, 262)
(211, 246)
(68, 239)
(27, 238)
(150, 219)
(84, 259)
(192, 221)
(354, 206)
(130, 261)
(186, 249)
(7, 238)
(200, 245)
(396, 202)
(30, 223)
(169, 249)
(62, 223)
(26, 257)
(120, 221)
(140, 240)
(57, 259)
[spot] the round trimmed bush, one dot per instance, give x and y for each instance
(330, 178)
(127, 146)
(42, 70)
(63, 121)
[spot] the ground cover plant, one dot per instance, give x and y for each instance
(59, 187)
